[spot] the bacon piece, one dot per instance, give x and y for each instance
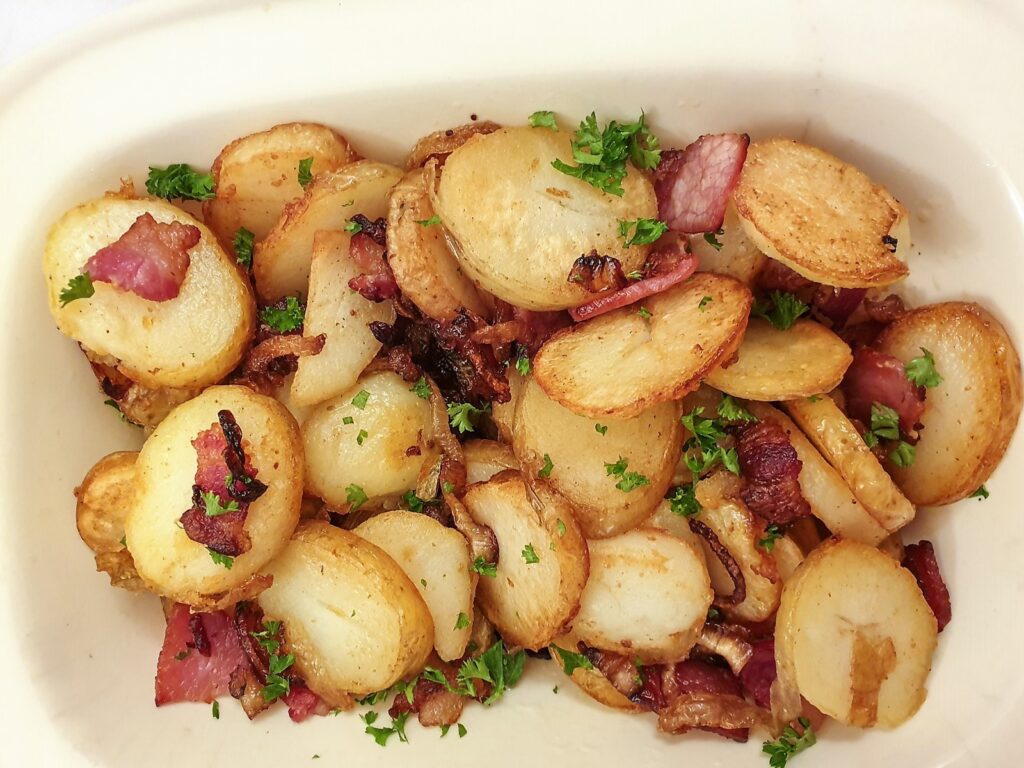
(652, 692)
(885, 310)
(771, 468)
(473, 365)
(302, 703)
(665, 269)
(377, 282)
(693, 185)
(874, 377)
(596, 273)
(515, 324)
(920, 560)
(271, 360)
(150, 259)
(433, 704)
(197, 676)
(759, 673)
(700, 677)
(837, 304)
(776, 276)
(621, 671)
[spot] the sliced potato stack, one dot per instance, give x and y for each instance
(166, 558)
(855, 635)
(353, 619)
(436, 560)
(731, 253)
(520, 224)
(343, 316)
(281, 262)
(579, 450)
(373, 443)
(805, 360)
(622, 363)
(486, 458)
(190, 341)
(821, 217)
(969, 417)
(542, 560)
(647, 596)
(256, 175)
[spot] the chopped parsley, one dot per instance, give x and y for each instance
(636, 274)
(213, 507)
(644, 313)
(355, 496)
(116, 406)
(360, 400)
(215, 710)
(703, 450)
(730, 410)
(78, 287)
(353, 227)
(180, 181)
(243, 245)
(462, 622)
(382, 734)
(885, 425)
(530, 555)
(571, 661)
(779, 308)
(435, 219)
(704, 303)
(903, 454)
(363, 434)
(182, 655)
(683, 501)
(601, 155)
(543, 118)
(447, 487)
(771, 534)
(462, 730)
(641, 231)
(220, 559)
(305, 171)
(980, 493)
(790, 743)
(711, 238)
(628, 481)
(414, 502)
(277, 684)
(561, 527)
(284, 320)
(545, 471)
(601, 429)
(921, 370)
(421, 388)
(523, 363)
(495, 666)
(347, 420)
(463, 416)
(481, 566)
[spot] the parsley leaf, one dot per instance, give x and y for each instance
(523, 363)
(353, 227)
(421, 388)
(561, 527)
(885, 422)
(545, 471)
(182, 655)
(363, 434)
(305, 171)
(730, 410)
(462, 730)
(414, 502)
(347, 420)
(921, 370)
(381, 735)
(571, 661)
(447, 487)
(463, 416)
(484, 568)
(628, 481)
(903, 454)
(790, 743)
(779, 308)
(211, 501)
(980, 493)
(215, 710)
(703, 449)
(771, 534)
(704, 303)
(284, 320)
(361, 399)
(683, 501)
(644, 231)
(644, 313)
(355, 496)
(78, 287)
(178, 180)
(243, 245)
(220, 559)
(601, 155)
(711, 238)
(601, 429)
(462, 621)
(495, 666)
(530, 555)
(435, 219)
(543, 118)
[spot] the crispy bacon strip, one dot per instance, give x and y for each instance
(920, 560)
(150, 259)
(708, 697)
(433, 704)
(771, 468)
(874, 377)
(693, 185)
(377, 281)
(186, 672)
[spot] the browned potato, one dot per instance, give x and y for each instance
(821, 217)
(169, 561)
(440, 144)
(542, 560)
(968, 418)
(621, 363)
(805, 360)
(256, 175)
(593, 683)
(839, 442)
(486, 458)
(734, 255)
(647, 596)
(190, 341)
(281, 262)
(520, 224)
(856, 636)
(343, 316)
(425, 269)
(579, 454)
(353, 619)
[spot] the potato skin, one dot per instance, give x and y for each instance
(103, 500)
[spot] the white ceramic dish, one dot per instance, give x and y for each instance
(925, 95)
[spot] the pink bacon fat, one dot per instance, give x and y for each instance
(693, 184)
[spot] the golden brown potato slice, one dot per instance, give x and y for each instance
(593, 682)
(190, 341)
(167, 559)
(621, 363)
(486, 458)
(281, 262)
(371, 455)
(808, 359)
(353, 619)
(542, 560)
(436, 560)
(820, 216)
(255, 176)
(830, 497)
(425, 269)
(520, 224)
(647, 596)
(968, 418)
(343, 316)
(838, 441)
(579, 450)
(857, 635)
(731, 253)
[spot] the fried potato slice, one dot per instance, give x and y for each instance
(805, 360)
(190, 341)
(169, 561)
(520, 224)
(593, 682)
(621, 363)
(436, 560)
(647, 596)
(838, 441)
(351, 616)
(343, 316)
(579, 454)
(397, 441)
(439, 144)
(823, 487)
(968, 418)
(731, 253)
(820, 216)
(281, 261)
(425, 269)
(256, 175)
(486, 458)
(542, 560)
(856, 634)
